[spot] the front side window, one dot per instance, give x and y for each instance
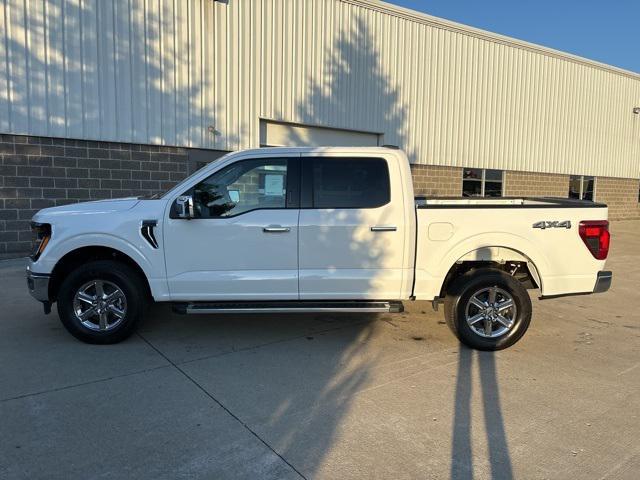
(581, 187)
(479, 182)
(241, 187)
(350, 183)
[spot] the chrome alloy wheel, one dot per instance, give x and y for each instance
(490, 312)
(100, 305)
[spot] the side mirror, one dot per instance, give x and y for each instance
(184, 207)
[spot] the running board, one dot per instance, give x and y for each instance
(290, 307)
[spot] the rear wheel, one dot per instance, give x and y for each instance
(102, 301)
(487, 309)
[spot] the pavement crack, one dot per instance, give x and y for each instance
(90, 382)
(218, 402)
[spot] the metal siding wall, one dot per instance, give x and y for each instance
(163, 71)
(447, 97)
(90, 73)
(5, 121)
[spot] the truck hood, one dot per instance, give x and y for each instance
(87, 208)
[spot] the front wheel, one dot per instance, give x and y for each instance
(487, 309)
(102, 302)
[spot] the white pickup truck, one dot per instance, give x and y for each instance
(282, 230)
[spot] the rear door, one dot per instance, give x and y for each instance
(351, 228)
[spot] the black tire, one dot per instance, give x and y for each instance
(464, 287)
(116, 273)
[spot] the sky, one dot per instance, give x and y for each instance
(607, 31)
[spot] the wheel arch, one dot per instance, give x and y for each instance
(501, 258)
(78, 256)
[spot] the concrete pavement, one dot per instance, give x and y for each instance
(329, 396)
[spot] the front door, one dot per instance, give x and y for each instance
(352, 228)
(243, 242)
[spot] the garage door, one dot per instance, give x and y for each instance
(275, 134)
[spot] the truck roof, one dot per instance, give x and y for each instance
(353, 150)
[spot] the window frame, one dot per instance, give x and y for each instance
(483, 180)
(582, 190)
(292, 196)
(307, 181)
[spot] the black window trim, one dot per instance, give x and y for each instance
(307, 181)
(581, 192)
(292, 200)
(483, 181)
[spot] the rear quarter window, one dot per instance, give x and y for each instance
(350, 182)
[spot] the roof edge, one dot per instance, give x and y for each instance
(419, 17)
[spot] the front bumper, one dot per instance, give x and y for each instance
(603, 282)
(38, 284)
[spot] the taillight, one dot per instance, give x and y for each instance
(595, 235)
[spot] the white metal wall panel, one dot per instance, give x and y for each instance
(5, 85)
(451, 96)
(90, 71)
(202, 74)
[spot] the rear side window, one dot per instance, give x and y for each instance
(350, 182)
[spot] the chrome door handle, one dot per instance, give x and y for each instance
(384, 228)
(276, 229)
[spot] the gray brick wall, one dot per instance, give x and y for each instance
(530, 184)
(437, 181)
(621, 195)
(38, 172)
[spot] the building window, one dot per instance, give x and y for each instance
(479, 182)
(582, 187)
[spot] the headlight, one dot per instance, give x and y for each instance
(41, 235)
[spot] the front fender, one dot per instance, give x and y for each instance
(102, 240)
(151, 267)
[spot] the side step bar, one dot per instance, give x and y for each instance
(290, 307)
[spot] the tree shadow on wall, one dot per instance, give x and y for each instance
(113, 71)
(354, 93)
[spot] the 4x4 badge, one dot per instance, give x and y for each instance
(545, 224)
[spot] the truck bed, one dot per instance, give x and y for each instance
(504, 202)
(544, 232)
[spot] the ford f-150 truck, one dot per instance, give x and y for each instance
(279, 230)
